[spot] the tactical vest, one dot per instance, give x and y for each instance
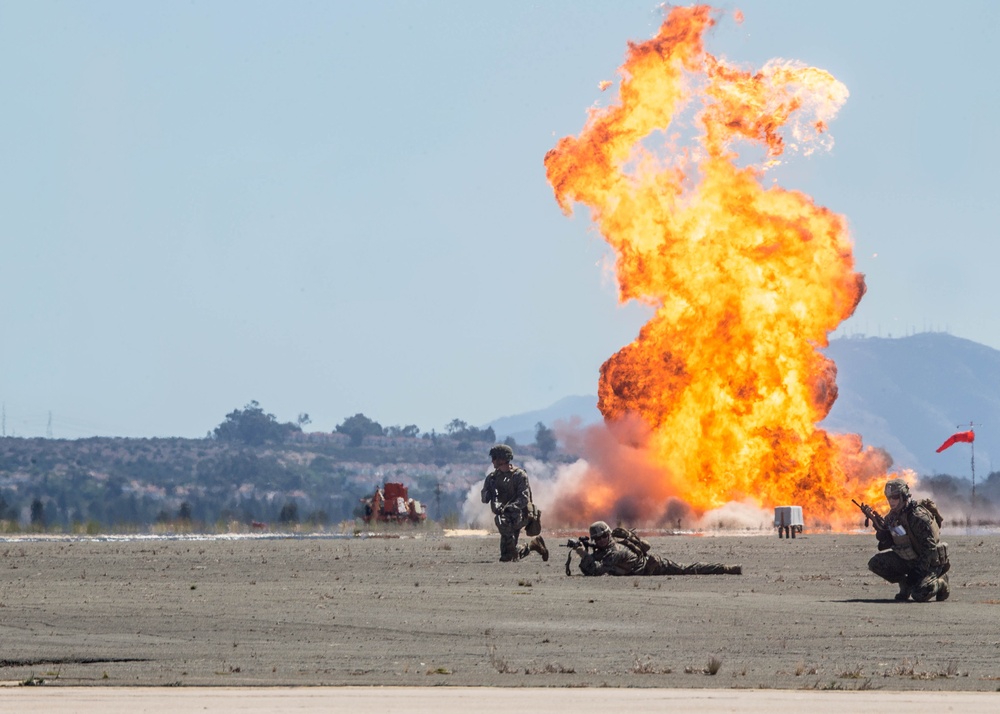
(901, 543)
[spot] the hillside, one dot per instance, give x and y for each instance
(316, 478)
(909, 394)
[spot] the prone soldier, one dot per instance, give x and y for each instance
(627, 554)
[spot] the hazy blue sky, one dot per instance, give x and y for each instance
(334, 207)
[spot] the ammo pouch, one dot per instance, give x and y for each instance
(942, 554)
(534, 525)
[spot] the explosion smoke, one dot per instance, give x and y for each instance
(718, 398)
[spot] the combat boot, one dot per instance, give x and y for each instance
(732, 570)
(904, 592)
(943, 589)
(538, 545)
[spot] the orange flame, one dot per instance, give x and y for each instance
(725, 381)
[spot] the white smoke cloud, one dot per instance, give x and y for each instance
(736, 516)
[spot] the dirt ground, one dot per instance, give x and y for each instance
(439, 610)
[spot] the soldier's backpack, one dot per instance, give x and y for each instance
(630, 540)
(932, 509)
(942, 547)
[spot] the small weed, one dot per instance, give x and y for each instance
(851, 673)
(500, 664)
(714, 665)
(640, 667)
(557, 669)
(905, 669)
(32, 681)
(439, 670)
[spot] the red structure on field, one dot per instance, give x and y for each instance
(392, 504)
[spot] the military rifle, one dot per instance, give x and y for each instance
(871, 515)
(573, 544)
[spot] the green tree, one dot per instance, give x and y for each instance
(410, 430)
(289, 513)
(7, 512)
(253, 427)
(318, 518)
(545, 440)
(358, 427)
(38, 514)
(462, 431)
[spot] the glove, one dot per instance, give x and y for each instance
(884, 540)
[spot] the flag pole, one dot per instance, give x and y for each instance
(972, 507)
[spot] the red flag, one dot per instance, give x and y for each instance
(966, 436)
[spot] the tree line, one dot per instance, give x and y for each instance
(249, 469)
(252, 426)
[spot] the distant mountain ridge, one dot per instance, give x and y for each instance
(906, 395)
(521, 427)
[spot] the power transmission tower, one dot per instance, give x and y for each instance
(48, 428)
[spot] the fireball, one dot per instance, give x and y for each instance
(721, 392)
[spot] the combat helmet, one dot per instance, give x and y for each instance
(897, 487)
(599, 529)
(502, 452)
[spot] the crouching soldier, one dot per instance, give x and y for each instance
(912, 552)
(628, 554)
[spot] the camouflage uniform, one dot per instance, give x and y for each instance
(508, 494)
(628, 555)
(912, 553)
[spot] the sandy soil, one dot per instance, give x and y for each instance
(440, 611)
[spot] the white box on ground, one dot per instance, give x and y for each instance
(788, 520)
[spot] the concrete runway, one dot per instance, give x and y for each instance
(483, 700)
